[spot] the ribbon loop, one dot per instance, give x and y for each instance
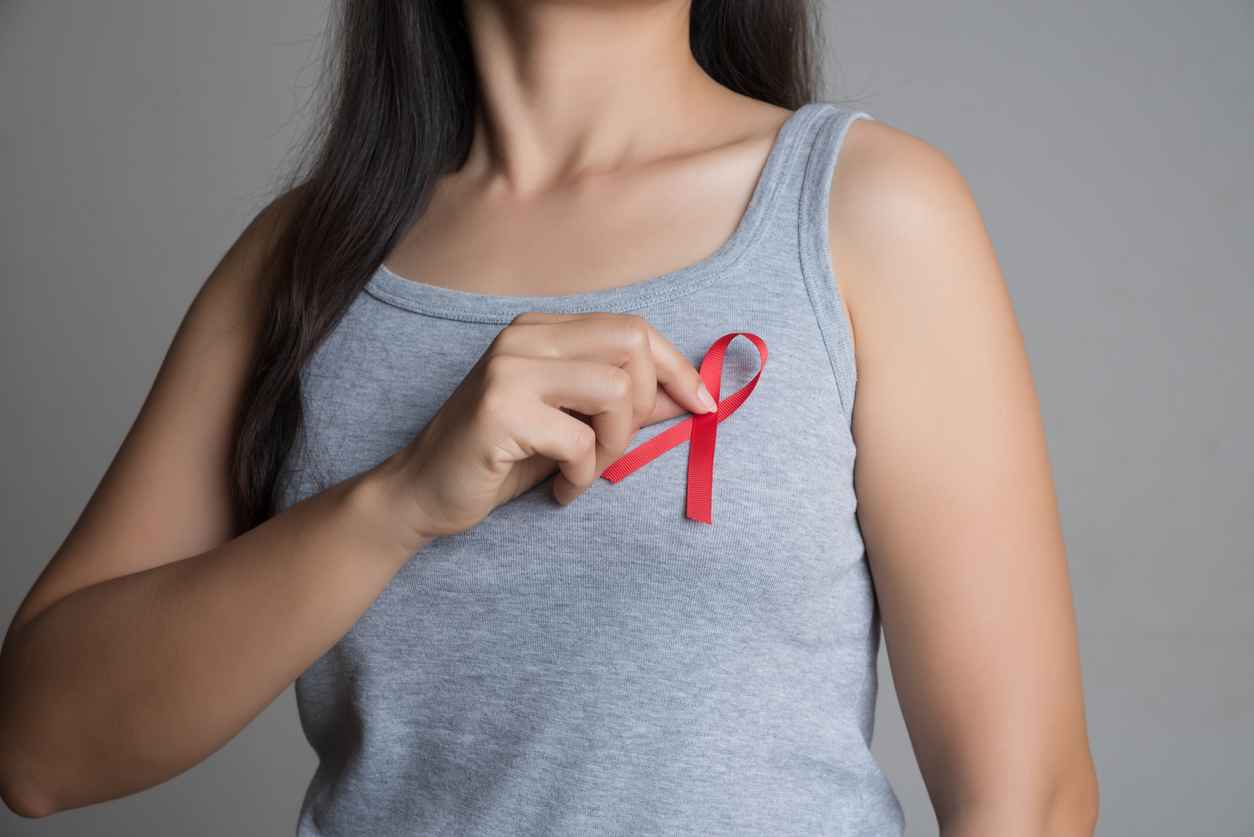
(701, 429)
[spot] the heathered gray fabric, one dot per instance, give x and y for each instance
(612, 667)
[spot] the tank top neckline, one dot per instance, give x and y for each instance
(470, 306)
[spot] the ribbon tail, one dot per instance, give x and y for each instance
(701, 467)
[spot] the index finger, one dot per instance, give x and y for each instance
(680, 386)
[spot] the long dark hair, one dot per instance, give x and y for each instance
(397, 113)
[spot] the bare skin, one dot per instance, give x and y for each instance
(110, 657)
(152, 601)
(956, 499)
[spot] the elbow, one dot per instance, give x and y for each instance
(24, 798)
(21, 790)
(1066, 807)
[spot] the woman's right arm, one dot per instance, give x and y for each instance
(156, 632)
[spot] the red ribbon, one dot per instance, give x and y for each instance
(701, 428)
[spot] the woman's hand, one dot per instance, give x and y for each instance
(569, 390)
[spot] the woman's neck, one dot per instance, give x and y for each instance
(572, 88)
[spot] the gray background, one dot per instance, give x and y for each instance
(1108, 145)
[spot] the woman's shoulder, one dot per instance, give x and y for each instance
(891, 184)
(897, 204)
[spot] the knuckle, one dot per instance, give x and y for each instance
(506, 340)
(635, 332)
(520, 336)
(619, 382)
(585, 440)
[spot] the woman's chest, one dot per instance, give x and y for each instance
(783, 529)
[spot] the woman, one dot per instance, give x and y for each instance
(522, 227)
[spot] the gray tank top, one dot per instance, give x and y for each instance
(613, 667)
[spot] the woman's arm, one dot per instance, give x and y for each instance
(956, 500)
(155, 633)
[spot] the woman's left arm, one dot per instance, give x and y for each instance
(956, 499)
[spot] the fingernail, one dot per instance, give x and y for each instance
(703, 395)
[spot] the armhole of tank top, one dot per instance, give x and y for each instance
(822, 284)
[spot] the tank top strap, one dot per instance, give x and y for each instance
(798, 227)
